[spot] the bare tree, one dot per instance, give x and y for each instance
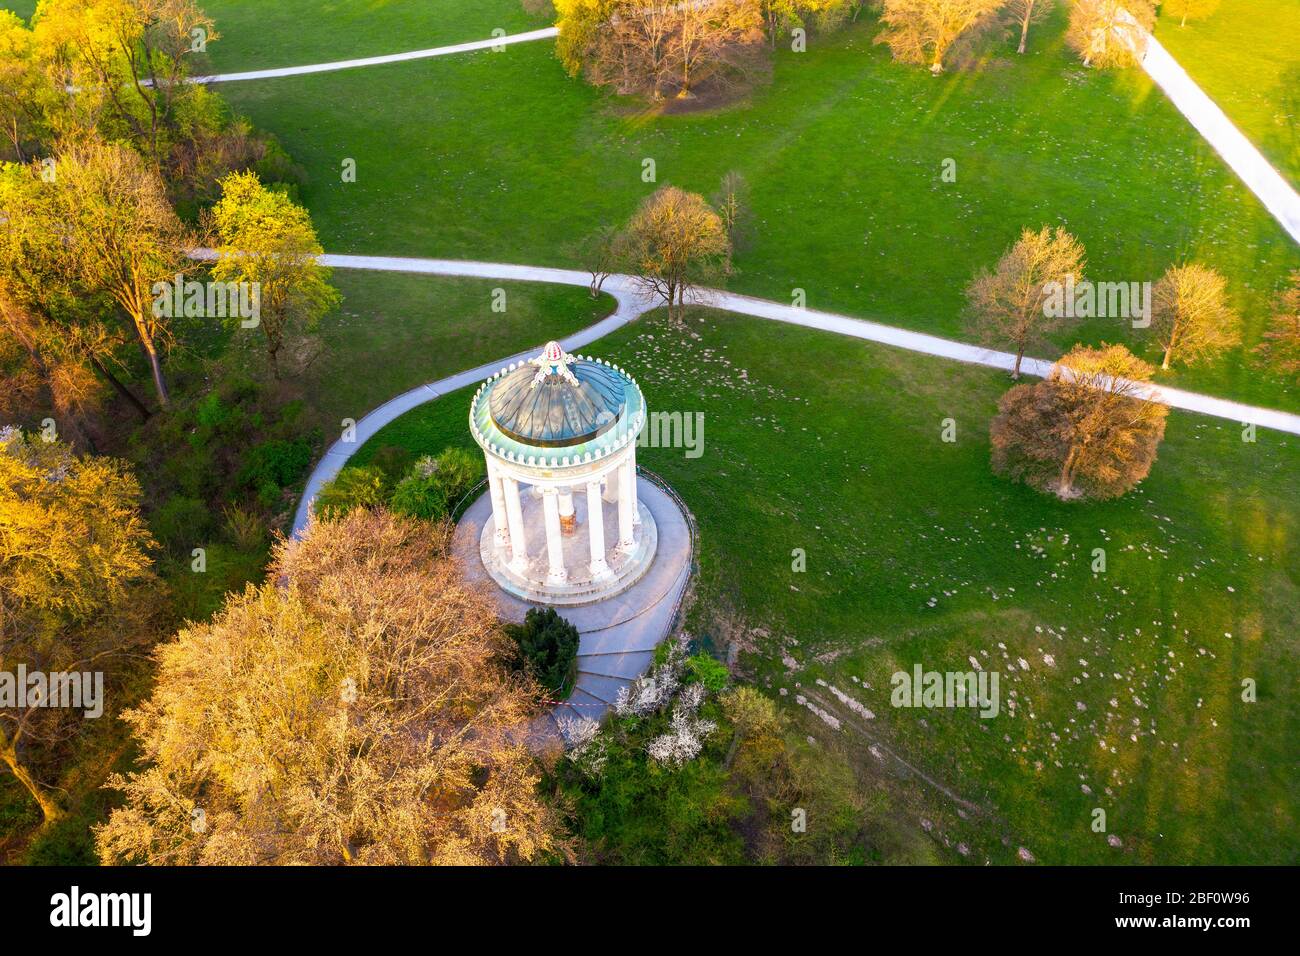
(674, 241)
(601, 253)
(1110, 33)
(1087, 431)
(924, 31)
(661, 47)
(1281, 345)
(1008, 305)
(1025, 12)
(1190, 315)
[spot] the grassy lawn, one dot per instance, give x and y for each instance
(501, 156)
(916, 553)
(1247, 58)
(395, 331)
(257, 34)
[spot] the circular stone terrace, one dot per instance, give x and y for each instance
(569, 522)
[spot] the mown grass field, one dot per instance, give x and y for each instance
(1129, 697)
(257, 34)
(1246, 56)
(394, 332)
(502, 156)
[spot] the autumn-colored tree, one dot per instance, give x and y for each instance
(1089, 430)
(1007, 306)
(925, 31)
(659, 47)
(1110, 33)
(123, 66)
(674, 242)
(1025, 12)
(1280, 347)
(75, 583)
(1190, 315)
(359, 712)
(267, 240)
(122, 237)
(1186, 10)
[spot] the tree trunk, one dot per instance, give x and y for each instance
(119, 387)
(1168, 354)
(50, 810)
(1024, 28)
(1015, 371)
(156, 371)
(1066, 485)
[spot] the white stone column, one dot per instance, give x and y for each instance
(596, 530)
(515, 522)
(611, 486)
(554, 540)
(626, 503)
(501, 537)
(631, 470)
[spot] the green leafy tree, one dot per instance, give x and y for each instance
(268, 241)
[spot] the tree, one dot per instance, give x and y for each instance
(267, 241)
(23, 89)
(1089, 430)
(1190, 315)
(1110, 33)
(924, 31)
(123, 65)
(361, 712)
(600, 253)
(659, 47)
(123, 237)
(732, 203)
(1188, 9)
(75, 584)
(1007, 305)
(60, 326)
(1281, 344)
(1025, 12)
(675, 241)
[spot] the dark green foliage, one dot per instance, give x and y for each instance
(637, 812)
(706, 670)
(277, 462)
(365, 487)
(548, 645)
(392, 460)
(420, 497)
(182, 523)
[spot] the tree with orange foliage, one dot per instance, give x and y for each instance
(1007, 305)
(674, 241)
(1190, 315)
(1110, 33)
(1086, 431)
(925, 31)
(355, 709)
(1281, 344)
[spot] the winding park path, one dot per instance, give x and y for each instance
(614, 654)
(632, 303)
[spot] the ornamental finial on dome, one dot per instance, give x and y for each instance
(553, 361)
